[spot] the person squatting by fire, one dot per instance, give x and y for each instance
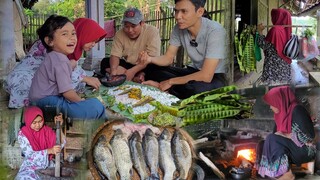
(292, 141)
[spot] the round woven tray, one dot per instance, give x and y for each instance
(107, 130)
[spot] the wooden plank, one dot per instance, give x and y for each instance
(315, 76)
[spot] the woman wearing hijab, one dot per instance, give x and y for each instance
(292, 141)
(276, 67)
(37, 142)
(18, 81)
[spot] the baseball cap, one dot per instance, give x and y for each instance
(132, 15)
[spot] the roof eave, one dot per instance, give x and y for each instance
(311, 11)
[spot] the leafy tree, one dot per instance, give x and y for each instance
(70, 8)
(116, 8)
(112, 8)
(28, 12)
(42, 6)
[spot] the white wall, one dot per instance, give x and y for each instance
(95, 11)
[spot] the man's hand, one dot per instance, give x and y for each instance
(92, 81)
(113, 72)
(144, 59)
(130, 74)
(118, 71)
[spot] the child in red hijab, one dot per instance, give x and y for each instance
(276, 67)
(89, 33)
(37, 142)
(292, 142)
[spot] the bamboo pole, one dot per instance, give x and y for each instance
(294, 26)
(57, 165)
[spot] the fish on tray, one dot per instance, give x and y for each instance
(121, 153)
(128, 128)
(151, 150)
(103, 158)
(166, 161)
(146, 149)
(182, 155)
(137, 155)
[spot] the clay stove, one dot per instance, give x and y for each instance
(235, 152)
(245, 145)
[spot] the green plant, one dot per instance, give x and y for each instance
(307, 33)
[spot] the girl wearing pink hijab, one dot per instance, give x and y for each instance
(276, 67)
(37, 142)
(292, 141)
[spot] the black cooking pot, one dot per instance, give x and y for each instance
(240, 176)
(240, 173)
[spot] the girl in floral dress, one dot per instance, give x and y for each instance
(37, 142)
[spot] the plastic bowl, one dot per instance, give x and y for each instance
(111, 81)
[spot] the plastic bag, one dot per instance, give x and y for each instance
(308, 49)
(292, 48)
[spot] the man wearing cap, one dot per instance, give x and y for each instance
(204, 41)
(134, 37)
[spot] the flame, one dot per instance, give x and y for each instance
(248, 154)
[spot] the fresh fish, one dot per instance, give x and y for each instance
(151, 150)
(103, 158)
(165, 159)
(137, 155)
(121, 154)
(182, 154)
